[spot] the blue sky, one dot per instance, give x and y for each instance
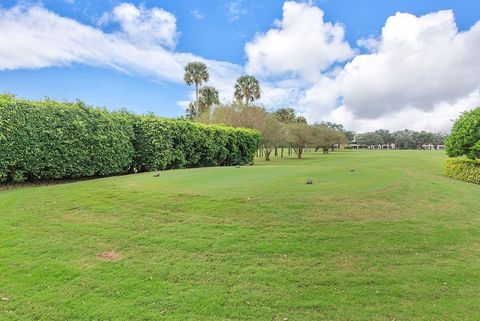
(218, 31)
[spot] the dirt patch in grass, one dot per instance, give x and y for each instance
(109, 256)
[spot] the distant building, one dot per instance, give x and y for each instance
(433, 146)
(354, 145)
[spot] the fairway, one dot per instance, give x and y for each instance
(380, 235)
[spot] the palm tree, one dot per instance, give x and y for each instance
(248, 88)
(196, 73)
(207, 98)
(285, 115)
(191, 112)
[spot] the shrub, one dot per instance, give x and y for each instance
(52, 140)
(465, 137)
(467, 170)
(167, 144)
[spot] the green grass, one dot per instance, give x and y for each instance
(392, 240)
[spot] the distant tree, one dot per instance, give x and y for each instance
(238, 114)
(422, 138)
(370, 139)
(196, 73)
(285, 115)
(300, 136)
(387, 137)
(334, 126)
(465, 136)
(439, 138)
(404, 139)
(191, 111)
(326, 138)
(247, 88)
(301, 119)
(273, 133)
(349, 135)
(208, 97)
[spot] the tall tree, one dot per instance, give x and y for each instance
(247, 88)
(208, 97)
(196, 73)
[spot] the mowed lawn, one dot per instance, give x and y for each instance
(380, 235)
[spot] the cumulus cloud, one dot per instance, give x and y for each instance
(418, 62)
(439, 119)
(421, 71)
(34, 37)
(300, 43)
(144, 25)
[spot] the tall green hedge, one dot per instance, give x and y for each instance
(52, 140)
(467, 170)
(167, 144)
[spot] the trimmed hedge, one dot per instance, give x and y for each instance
(168, 144)
(53, 140)
(467, 170)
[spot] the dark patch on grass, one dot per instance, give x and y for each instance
(109, 256)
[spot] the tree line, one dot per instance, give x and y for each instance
(403, 139)
(280, 130)
(283, 128)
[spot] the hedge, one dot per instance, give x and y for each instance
(168, 144)
(51, 140)
(464, 169)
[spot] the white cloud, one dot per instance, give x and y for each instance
(421, 71)
(418, 62)
(302, 43)
(34, 37)
(439, 119)
(143, 25)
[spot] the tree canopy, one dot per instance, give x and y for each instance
(247, 88)
(196, 73)
(464, 139)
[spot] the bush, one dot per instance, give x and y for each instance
(467, 170)
(465, 137)
(167, 144)
(52, 140)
